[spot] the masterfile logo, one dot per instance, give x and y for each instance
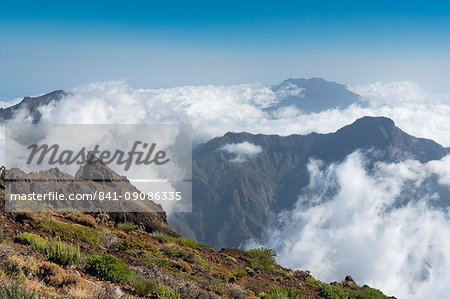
(123, 168)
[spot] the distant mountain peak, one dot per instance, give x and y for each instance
(371, 122)
(32, 104)
(313, 95)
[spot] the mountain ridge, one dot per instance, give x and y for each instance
(31, 104)
(239, 200)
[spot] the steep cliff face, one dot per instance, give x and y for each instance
(91, 178)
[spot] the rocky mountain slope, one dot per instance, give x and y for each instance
(233, 202)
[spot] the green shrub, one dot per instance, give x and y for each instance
(230, 258)
(276, 292)
(329, 291)
(217, 287)
(70, 232)
(164, 292)
(335, 291)
(62, 253)
(162, 237)
(109, 268)
(186, 242)
(137, 244)
(203, 263)
(161, 262)
(176, 252)
(223, 275)
(37, 242)
(182, 241)
(14, 291)
(14, 265)
(54, 249)
(127, 226)
(143, 285)
(367, 293)
(239, 272)
(261, 258)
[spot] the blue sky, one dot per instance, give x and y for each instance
(47, 45)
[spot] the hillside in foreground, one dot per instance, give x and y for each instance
(75, 255)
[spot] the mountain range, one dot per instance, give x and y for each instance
(234, 202)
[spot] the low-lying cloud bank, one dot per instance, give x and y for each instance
(215, 110)
(378, 226)
(349, 228)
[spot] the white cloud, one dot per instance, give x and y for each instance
(392, 93)
(9, 103)
(215, 110)
(288, 89)
(348, 233)
(242, 151)
(361, 230)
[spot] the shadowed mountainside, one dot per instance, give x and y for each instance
(233, 202)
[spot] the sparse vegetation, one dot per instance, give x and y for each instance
(164, 292)
(276, 292)
(14, 265)
(54, 249)
(137, 244)
(109, 268)
(230, 258)
(177, 252)
(217, 287)
(205, 264)
(163, 262)
(143, 285)
(182, 241)
(223, 274)
(367, 293)
(70, 232)
(55, 276)
(261, 258)
(14, 291)
(127, 226)
(239, 272)
(51, 273)
(173, 259)
(162, 237)
(329, 291)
